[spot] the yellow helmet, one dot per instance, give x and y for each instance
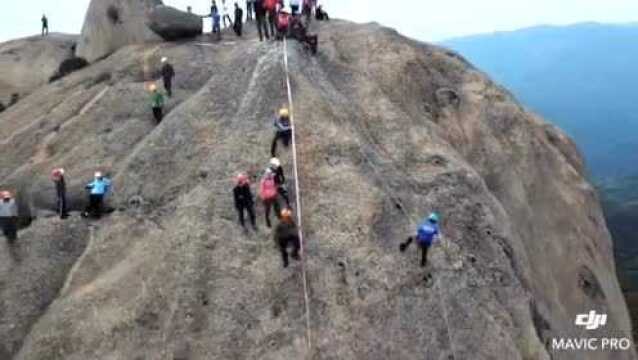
(283, 112)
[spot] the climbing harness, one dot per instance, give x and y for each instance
(297, 196)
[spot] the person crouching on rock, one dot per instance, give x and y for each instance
(57, 176)
(167, 76)
(427, 234)
(8, 216)
(244, 200)
(283, 131)
(157, 103)
(286, 235)
(98, 188)
(280, 179)
(268, 194)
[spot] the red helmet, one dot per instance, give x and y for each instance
(242, 179)
(57, 173)
(5, 195)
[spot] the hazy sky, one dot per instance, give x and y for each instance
(422, 19)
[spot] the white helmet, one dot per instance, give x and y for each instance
(275, 162)
(164, 59)
(98, 174)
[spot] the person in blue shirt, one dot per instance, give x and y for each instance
(98, 188)
(283, 131)
(427, 234)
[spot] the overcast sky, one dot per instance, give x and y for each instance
(422, 19)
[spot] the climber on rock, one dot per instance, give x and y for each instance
(283, 21)
(8, 216)
(57, 176)
(268, 194)
(286, 235)
(98, 189)
(45, 25)
(260, 15)
(427, 234)
(225, 15)
(280, 179)
(167, 76)
(216, 20)
(244, 200)
(298, 31)
(283, 131)
(157, 103)
(306, 9)
(270, 6)
(239, 18)
(321, 14)
(250, 5)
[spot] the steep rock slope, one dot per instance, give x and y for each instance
(388, 129)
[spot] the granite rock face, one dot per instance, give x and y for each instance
(388, 129)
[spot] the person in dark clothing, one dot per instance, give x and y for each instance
(280, 179)
(8, 216)
(60, 189)
(286, 235)
(167, 76)
(283, 131)
(321, 15)
(15, 97)
(427, 234)
(249, 9)
(2, 107)
(239, 18)
(260, 15)
(244, 200)
(45, 25)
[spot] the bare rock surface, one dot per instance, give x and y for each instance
(389, 129)
(173, 24)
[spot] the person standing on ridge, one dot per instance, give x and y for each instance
(270, 6)
(249, 9)
(244, 200)
(283, 131)
(157, 103)
(268, 194)
(427, 234)
(8, 216)
(260, 15)
(294, 7)
(57, 176)
(286, 234)
(216, 20)
(280, 179)
(167, 76)
(239, 18)
(98, 189)
(225, 15)
(45, 25)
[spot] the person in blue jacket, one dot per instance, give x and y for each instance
(283, 131)
(98, 188)
(426, 235)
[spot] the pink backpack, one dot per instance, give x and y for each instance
(268, 188)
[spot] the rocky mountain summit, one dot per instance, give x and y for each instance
(388, 130)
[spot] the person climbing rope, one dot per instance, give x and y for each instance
(225, 15)
(8, 216)
(286, 235)
(239, 18)
(157, 103)
(321, 14)
(294, 7)
(57, 176)
(244, 200)
(260, 15)
(280, 179)
(45, 25)
(283, 131)
(167, 76)
(268, 194)
(98, 189)
(270, 6)
(427, 234)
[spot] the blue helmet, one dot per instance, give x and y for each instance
(433, 218)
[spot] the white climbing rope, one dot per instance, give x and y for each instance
(298, 197)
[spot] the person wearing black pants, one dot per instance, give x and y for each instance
(280, 179)
(244, 200)
(239, 18)
(60, 189)
(260, 15)
(249, 10)
(283, 131)
(167, 76)
(8, 216)
(286, 235)
(272, 22)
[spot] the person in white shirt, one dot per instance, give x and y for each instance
(225, 15)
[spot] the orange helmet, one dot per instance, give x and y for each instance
(5, 195)
(242, 179)
(286, 215)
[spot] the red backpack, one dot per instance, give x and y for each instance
(268, 188)
(283, 20)
(270, 5)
